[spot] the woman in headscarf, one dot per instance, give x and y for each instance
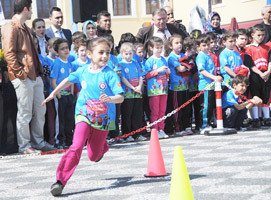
(90, 29)
(213, 24)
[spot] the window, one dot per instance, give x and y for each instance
(7, 6)
(44, 6)
(121, 7)
(40, 8)
(151, 5)
(214, 2)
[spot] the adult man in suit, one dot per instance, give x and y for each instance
(55, 30)
(159, 28)
(266, 14)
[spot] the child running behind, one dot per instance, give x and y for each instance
(94, 112)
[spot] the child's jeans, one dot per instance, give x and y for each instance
(97, 146)
(158, 105)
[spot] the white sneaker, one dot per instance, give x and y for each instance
(206, 129)
(162, 134)
(189, 131)
(141, 138)
(130, 139)
(178, 133)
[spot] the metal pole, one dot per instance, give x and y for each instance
(209, 6)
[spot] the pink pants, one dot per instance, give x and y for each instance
(158, 105)
(97, 146)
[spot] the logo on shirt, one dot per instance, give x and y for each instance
(102, 86)
(210, 61)
(231, 58)
(126, 70)
(62, 70)
(83, 84)
(154, 66)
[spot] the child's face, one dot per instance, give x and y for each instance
(82, 52)
(213, 45)
(241, 41)
(140, 52)
(99, 56)
(63, 51)
(215, 22)
(157, 49)
(127, 55)
(240, 87)
(230, 43)
(204, 47)
(258, 36)
(51, 51)
(177, 45)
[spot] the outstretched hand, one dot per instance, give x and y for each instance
(49, 98)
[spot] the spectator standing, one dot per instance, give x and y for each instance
(266, 14)
(55, 30)
(25, 71)
(38, 27)
(104, 23)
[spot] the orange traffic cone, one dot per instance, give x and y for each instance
(156, 166)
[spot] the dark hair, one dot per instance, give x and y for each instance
(54, 9)
(91, 44)
(189, 43)
(109, 37)
(35, 21)
(35, 38)
(154, 40)
(58, 42)
(258, 27)
(203, 38)
(168, 44)
(103, 13)
(229, 34)
(78, 43)
(19, 5)
(138, 45)
(126, 37)
(240, 79)
(212, 35)
(241, 31)
(78, 35)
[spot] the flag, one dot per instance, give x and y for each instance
(2, 17)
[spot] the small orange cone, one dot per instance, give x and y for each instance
(156, 166)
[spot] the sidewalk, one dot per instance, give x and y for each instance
(232, 167)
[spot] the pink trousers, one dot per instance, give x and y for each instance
(97, 146)
(158, 105)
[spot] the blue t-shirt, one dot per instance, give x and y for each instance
(232, 59)
(50, 62)
(177, 82)
(204, 62)
(156, 85)
(229, 99)
(89, 108)
(46, 68)
(130, 71)
(72, 57)
(113, 63)
(76, 64)
(60, 71)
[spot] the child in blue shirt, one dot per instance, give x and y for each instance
(81, 61)
(94, 112)
(234, 109)
(61, 70)
(132, 81)
(206, 69)
(157, 73)
(178, 85)
(230, 60)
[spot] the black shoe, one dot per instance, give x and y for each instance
(99, 159)
(256, 123)
(266, 122)
(247, 122)
(56, 188)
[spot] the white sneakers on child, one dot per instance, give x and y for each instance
(187, 131)
(162, 134)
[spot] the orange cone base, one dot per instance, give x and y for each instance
(156, 166)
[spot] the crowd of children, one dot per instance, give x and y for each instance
(100, 87)
(155, 85)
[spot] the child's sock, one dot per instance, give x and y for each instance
(266, 112)
(255, 112)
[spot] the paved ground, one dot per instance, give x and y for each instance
(233, 167)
